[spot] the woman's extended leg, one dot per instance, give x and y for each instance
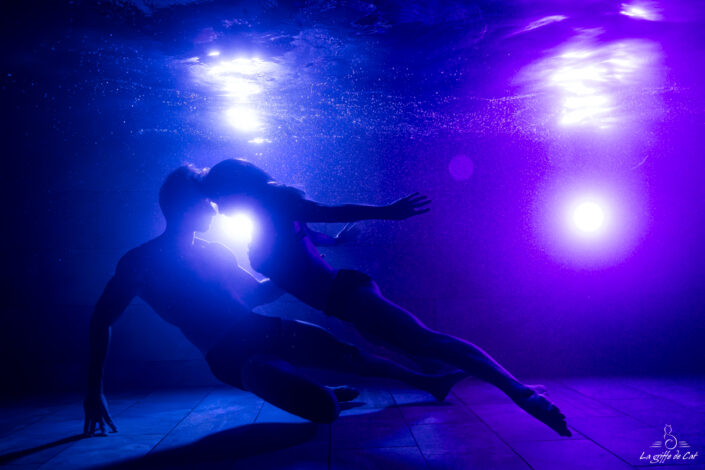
(386, 323)
(308, 345)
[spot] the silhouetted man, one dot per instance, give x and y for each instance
(198, 286)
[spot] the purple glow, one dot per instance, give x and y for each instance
(461, 168)
(543, 22)
(642, 10)
(590, 222)
(597, 85)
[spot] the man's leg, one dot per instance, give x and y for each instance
(249, 362)
(308, 345)
(279, 383)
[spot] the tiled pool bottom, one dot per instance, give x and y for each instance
(615, 421)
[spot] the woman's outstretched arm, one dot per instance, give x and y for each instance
(347, 234)
(409, 206)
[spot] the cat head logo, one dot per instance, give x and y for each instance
(670, 441)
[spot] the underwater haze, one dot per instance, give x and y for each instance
(559, 142)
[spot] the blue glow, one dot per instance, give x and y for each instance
(238, 81)
(242, 66)
(240, 88)
(243, 119)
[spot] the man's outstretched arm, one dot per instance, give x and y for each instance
(115, 297)
(347, 234)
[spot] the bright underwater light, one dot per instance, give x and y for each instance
(237, 82)
(590, 222)
(588, 217)
(592, 82)
(243, 119)
(239, 227)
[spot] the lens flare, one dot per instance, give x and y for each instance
(460, 168)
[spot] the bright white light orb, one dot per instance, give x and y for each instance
(238, 227)
(214, 53)
(588, 217)
(243, 119)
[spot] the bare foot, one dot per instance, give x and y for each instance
(441, 384)
(532, 399)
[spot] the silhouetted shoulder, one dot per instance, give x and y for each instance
(132, 264)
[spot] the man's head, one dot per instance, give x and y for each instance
(182, 201)
(232, 181)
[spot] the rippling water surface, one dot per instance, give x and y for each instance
(540, 97)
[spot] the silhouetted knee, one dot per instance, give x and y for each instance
(278, 383)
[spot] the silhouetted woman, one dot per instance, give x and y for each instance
(284, 252)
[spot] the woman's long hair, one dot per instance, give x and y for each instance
(235, 176)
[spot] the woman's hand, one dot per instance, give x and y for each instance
(97, 415)
(348, 234)
(409, 206)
